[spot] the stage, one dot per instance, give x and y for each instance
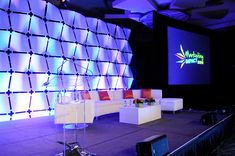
(104, 137)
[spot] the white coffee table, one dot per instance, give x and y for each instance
(135, 115)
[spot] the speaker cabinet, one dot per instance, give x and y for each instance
(156, 145)
(209, 118)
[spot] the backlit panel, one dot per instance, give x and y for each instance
(102, 56)
(92, 23)
(81, 35)
(38, 44)
(67, 34)
(80, 21)
(19, 6)
(22, 42)
(37, 26)
(37, 81)
(5, 78)
(92, 39)
(20, 22)
(68, 49)
(37, 7)
(45, 50)
(4, 108)
(103, 83)
(93, 52)
(20, 102)
(19, 82)
(81, 67)
(20, 62)
(4, 63)
(53, 13)
(102, 27)
(112, 81)
(54, 48)
(103, 67)
(80, 52)
(38, 64)
(68, 17)
(5, 35)
(4, 22)
(55, 64)
(4, 4)
(54, 29)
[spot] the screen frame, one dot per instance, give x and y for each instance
(161, 24)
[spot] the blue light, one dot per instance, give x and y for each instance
(54, 29)
(81, 35)
(37, 81)
(67, 34)
(19, 82)
(5, 35)
(80, 21)
(20, 62)
(4, 63)
(20, 22)
(112, 70)
(92, 23)
(19, 6)
(93, 52)
(20, 102)
(103, 83)
(92, 39)
(69, 49)
(102, 55)
(38, 64)
(4, 22)
(38, 44)
(37, 26)
(37, 7)
(53, 13)
(103, 67)
(5, 78)
(4, 4)
(54, 48)
(22, 42)
(68, 17)
(80, 52)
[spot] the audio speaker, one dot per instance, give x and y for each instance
(156, 145)
(209, 118)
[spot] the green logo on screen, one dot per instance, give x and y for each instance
(187, 57)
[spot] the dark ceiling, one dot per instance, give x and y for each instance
(212, 14)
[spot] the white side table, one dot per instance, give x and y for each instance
(139, 115)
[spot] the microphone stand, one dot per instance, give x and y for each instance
(75, 149)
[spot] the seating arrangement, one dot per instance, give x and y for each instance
(171, 104)
(111, 101)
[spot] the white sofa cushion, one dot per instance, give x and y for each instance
(136, 93)
(94, 95)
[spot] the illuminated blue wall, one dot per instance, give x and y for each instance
(44, 50)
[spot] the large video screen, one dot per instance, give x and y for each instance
(188, 57)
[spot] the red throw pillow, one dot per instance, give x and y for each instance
(128, 94)
(103, 95)
(85, 95)
(146, 93)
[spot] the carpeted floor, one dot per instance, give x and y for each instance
(105, 137)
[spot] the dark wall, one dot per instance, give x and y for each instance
(149, 66)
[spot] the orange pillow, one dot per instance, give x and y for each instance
(128, 94)
(85, 95)
(146, 93)
(103, 95)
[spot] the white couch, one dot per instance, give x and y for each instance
(171, 104)
(100, 107)
(117, 101)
